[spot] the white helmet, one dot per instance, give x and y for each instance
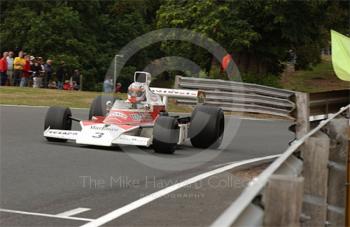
(136, 92)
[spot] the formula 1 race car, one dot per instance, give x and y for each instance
(140, 120)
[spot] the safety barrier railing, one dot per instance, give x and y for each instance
(245, 97)
(306, 185)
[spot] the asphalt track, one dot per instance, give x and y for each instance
(46, 179)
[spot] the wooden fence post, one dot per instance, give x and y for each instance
(302, 126)
(81, 82)
(337, 131)
(177, 82)
(283, 197)
(348, 181)
(315, 172)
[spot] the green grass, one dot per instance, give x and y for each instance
(320, 78)
(52, 97)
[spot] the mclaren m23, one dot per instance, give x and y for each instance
(141, 120)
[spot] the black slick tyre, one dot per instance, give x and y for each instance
(165, 135)
(207, 126)
(98, 106)
(58, 118)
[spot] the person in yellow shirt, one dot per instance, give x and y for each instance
(18, 65)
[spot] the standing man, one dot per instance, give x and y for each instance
(3, 69)
(18, 65)
(60, 73)
(48, 72)
(108, 85)
(9, 60)
(26, 72)
(36, 69)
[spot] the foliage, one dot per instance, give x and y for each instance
(267, 80)
(88, 34)
(258, 33)
(85, 34)
(213, 20)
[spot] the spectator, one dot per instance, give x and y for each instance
(118, 88)
(26, 72)
(9, 60)
(108, 85)
(76, 80)
(41, 63)
(30, 81)
(18, 63)
(60, 74)
(36, 70)
(68, 85)
(48, 72)
(3, 69)
(52, 85)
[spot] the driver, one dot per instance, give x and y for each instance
(136, 94)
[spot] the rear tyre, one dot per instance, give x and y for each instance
(98, 106)
(58, 118)
(165, 135)
(207, 126)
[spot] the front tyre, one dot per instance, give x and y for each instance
(98, 106)
(165, 135)
(207, 126)
(58, 118)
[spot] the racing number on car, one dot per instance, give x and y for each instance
(98, 135)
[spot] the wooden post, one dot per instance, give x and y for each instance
(177, 82)
(347, 221)
(283, 200)
(347, 209)
(337, 131)
(81, 82)
(302, 126)
(315, 172)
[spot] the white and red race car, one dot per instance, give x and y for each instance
(140, 122)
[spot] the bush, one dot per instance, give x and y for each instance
(98, 87)
(267, 80)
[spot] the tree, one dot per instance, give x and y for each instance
(85, 34)
(215, 20)
(88, 34)
(258, 33)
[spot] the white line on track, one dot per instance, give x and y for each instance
(228, 163)
(151, 197)
(73, 212)
(45, 215)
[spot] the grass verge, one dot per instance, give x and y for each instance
(53, 97)
(318, 79)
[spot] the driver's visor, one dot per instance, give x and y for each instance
(136, 92)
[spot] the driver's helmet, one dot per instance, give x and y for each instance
(136, 93)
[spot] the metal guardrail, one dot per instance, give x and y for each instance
(244, 97)
(296, 186)
(329, 101)
(255, 208)
(238, 96)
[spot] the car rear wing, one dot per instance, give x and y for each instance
(179, 93)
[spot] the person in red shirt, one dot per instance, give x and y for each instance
(3, 69)
(26, 72)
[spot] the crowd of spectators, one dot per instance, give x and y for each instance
(29, 71)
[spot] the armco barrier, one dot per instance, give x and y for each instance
(245, 97)
(305, 186)
(238, 96)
